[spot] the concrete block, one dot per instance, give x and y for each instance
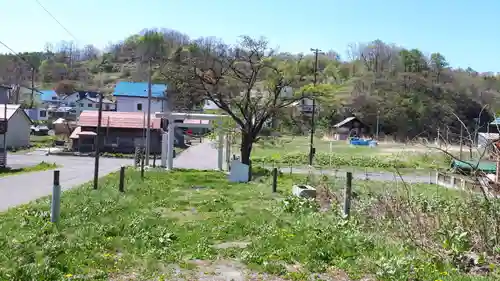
(305, 191)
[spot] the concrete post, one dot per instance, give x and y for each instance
(228, 151)
(164, 148)
(170, 145)
(220, 150)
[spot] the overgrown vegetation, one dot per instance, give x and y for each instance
(42, 166)
(173, 223)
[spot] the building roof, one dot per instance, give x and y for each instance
(83, 94)
(345, 121)
(117, 119)
(139, 89)
(96, 100)
(11, 109)
(47, 95)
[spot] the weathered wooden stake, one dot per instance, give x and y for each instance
(142, 165)
(121, 187)
(347, 195)
(55, 208)
(275, 179)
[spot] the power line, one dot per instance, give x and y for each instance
(53, 17)
(16, 54)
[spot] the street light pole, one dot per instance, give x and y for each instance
(312, 150)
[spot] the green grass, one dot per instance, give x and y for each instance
(294, 151)
(42, 166)
(179, 220)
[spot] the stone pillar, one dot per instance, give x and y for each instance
(170, 144)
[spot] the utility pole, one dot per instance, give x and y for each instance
(312, 150)
(148, 128)
(378, 122)
(32, 87)
(98, 143)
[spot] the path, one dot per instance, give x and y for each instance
(201, 156)
(23, 188)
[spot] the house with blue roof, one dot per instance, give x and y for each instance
(133, 97)
(49, 97)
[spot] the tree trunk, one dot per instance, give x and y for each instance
(246, 150)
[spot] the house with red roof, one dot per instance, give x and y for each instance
(121, 132)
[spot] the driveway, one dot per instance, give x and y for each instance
(23, 188)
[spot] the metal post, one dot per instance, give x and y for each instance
(6, 120)
(122, 179)
(98, 143)
(275, 179)
(55, 207)
(347, 195)
(148, 128)
(312, 150)
(377, 129)
(461, 143)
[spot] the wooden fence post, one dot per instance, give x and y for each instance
(347, 195)
(275, 179)
(121, 187)
(55, 208)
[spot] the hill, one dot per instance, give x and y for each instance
(413, 95)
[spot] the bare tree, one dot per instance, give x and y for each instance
(244, 81)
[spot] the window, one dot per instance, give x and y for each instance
(72, 104)
(81, 104)
(43, 113)
(139, 106)
(107, 106)
(89, 105)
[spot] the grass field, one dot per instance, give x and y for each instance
(293, 151)
(42, 166)
(187, 225)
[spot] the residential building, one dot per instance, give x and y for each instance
(49, 97)
(4, 94)
(37, 114)
(89, 103)
(350, 127)
(18, 126)
(121, 132)
(133, 97)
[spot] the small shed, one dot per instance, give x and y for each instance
(349, 127)
(18, 126)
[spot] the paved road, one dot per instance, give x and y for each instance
(201, 156)
(20, 189)
(375, 176)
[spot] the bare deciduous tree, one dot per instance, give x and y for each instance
(244, 81)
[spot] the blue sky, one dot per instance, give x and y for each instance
(466, 32)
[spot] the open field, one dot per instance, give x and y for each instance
(293, 151)
(187, 225)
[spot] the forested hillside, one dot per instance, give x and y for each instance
(415, 95)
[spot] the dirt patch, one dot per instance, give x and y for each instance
(236, 244)
(221, 270)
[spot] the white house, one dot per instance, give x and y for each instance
(82, 100)
(37, 114)
(133, 97)
(18, 128)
